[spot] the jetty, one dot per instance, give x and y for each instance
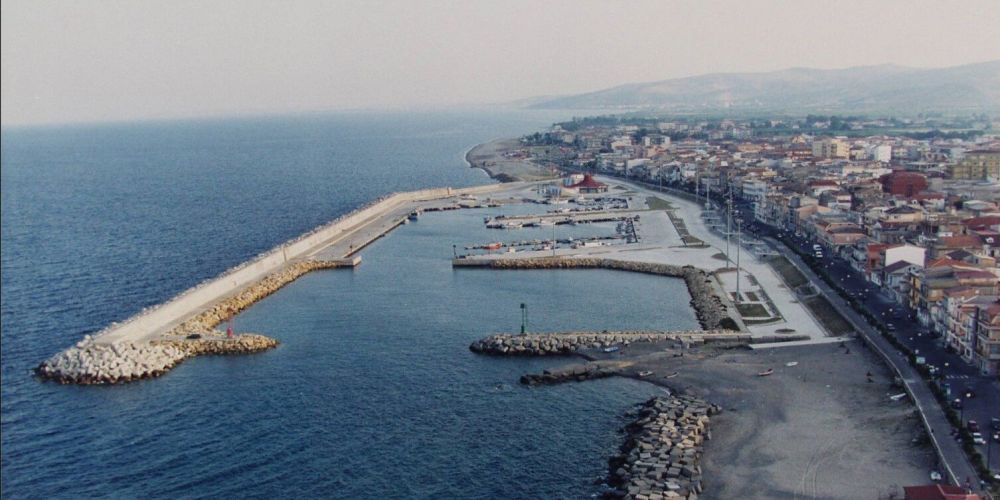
(155, 340)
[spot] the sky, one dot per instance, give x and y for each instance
(107, 60)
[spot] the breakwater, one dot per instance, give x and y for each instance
(663, 448)
(542, 344)
(711, 311)
(90, 363)
(229, 307)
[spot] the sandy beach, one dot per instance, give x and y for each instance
(490, 157)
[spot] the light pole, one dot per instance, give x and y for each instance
(729, 227)
(739, 243)
(524, 318)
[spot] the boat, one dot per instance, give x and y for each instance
(672, 375)
(645, 373)
(792, 363)
(545, 222)
(766, 372)
(613, 348)
(493, 246)
(414, 215)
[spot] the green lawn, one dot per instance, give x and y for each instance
(655, 203)
(828, 316)
(792, 276)
(749, 310)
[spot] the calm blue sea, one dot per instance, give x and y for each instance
(373, 392)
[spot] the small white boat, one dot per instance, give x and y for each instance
(792, 363)
(613, 348)
(766, 372)
(645, 373)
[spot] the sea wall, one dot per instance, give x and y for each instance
(548, 344)
(662, 452)
(205, 293)
(709, 307)
(229, 307)
(91, 363)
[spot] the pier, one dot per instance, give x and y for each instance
(154, 340)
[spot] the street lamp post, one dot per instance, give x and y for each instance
(524, 318)
(739, 243)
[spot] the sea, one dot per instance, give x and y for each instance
(372, 393)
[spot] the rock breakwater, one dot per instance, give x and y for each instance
(711, 311)
(89, 363)
(228, 308)
(573, 373)
(661, 455)
(543, 344)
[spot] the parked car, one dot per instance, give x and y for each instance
(973, 426)
(996, 436)
(935, 476)
(956, 403)
(995, 423)
(978, 438)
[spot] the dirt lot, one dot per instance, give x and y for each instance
(490, 157)
(815, 430)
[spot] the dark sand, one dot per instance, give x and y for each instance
(489, 157)
(815, 430)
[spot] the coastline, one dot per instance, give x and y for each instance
(698, 369)
(490, 157)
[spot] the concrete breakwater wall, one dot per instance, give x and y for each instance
(175, 310)
(709, 307)
(661, 455)
(542, 344)
(92, 363)
(229, 307)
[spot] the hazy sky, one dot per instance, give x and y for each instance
(66, 61)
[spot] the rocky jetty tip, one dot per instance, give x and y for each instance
(662, 452)
(90, 363)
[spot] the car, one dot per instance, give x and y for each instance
(891, 327)
(973, 426)
(956, 403)
(935, 476)
(996, 436)
(977, 438)
(995, 423)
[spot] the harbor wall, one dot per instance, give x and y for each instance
(191, 301)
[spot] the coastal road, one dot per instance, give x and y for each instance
(954, 461)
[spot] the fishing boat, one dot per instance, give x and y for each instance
(493, 246)
(414, 215)
(613, 348)
(766, 372)
(645, 373)
(672, 375)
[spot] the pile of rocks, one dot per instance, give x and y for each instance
(541, 344)
(573, 373)
(712, 312)
(92, 363)
(246, 343)
(228, 308)
(660, 458)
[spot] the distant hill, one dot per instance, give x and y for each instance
(886, 88)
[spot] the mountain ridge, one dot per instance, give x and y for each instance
(885, 87)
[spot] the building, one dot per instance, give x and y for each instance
(905, 184)
(589, 185)
(987, 355)
(830, 148)
(937, 492)
(979, 164)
